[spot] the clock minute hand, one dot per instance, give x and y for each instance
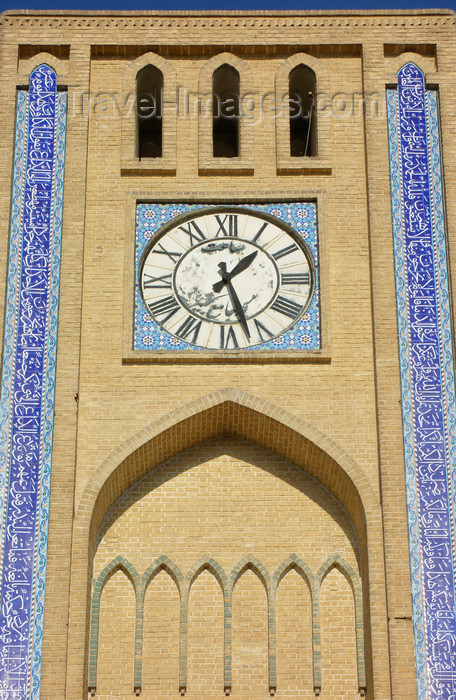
(238, 308)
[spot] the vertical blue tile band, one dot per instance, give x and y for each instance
(28, 378)
(427, 376)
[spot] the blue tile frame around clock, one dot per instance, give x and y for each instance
(28, 378)
(427, 376)
(301, 216)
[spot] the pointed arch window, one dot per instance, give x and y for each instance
(149, 112)
(303, 122)
(225, 112)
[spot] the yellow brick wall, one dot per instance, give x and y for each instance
(161, 638)
(250, 638)
(205, 637)
(294, 637)
(226, 498)
(333, 398)
(338, 643)
(116, 650)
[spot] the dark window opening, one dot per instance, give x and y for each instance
(225, 112)
(303, 121)
(149, 111)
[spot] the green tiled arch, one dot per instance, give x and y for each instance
(117, 564)
(294, 562)
(337, 562)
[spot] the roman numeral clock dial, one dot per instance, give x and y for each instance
(226, 279)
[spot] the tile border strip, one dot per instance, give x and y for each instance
(427, 375)
(27, 396)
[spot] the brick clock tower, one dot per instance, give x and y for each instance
(227, 414)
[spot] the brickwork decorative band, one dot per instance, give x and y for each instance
(227, 585)
(27, 391)
(427, 375)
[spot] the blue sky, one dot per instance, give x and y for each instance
(218, 4)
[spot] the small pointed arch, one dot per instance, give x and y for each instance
(302, 88)
(252, 563)
(411, 70)
(224, 132)
(117, 564)
(226, 97)
(148, 132)
(221, 614)
(110, 569)
(337, 562)
(264, 616)
(162, 564)
(303, 139)
(206, 563)
(44, 75)
(149, 112)
(293, 562)
(58, 66)
(425, 64)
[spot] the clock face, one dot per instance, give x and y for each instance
(226, 279)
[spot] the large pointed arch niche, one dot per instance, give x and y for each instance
(258, 425)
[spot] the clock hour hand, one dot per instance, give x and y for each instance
(227, 276)
(218, 286)
(238, 308)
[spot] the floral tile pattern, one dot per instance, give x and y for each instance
(301, 216)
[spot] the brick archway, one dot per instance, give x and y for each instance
(233, 412)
